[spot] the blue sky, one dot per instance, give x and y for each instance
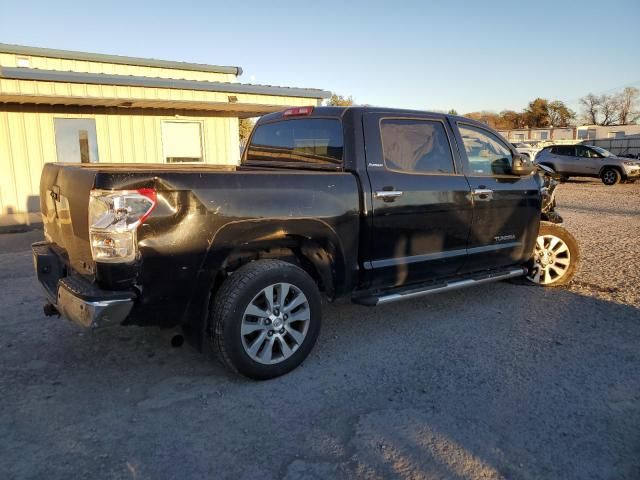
(467, 55)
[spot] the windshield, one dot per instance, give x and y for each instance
(603, 152)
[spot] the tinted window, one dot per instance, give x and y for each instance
(487, 155)
(586, 152)
(311, 140)
(416, 146)
(567, 150)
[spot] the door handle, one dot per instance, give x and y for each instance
(482, 194)
(388, 195)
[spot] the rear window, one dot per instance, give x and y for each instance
(566, 150)
(313, 141)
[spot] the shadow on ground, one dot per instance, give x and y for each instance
(502, 381)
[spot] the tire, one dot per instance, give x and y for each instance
(610, 176)
(558, 266)
(262, 347)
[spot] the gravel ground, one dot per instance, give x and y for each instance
(500, 381)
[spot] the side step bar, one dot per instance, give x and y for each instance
(373, 300)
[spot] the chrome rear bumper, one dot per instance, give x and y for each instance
(92, 314)
(74, 296)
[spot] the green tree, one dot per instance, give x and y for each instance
(559, 114)
(245, 127)
(452, 112)
(488, 118)
(509, 120)
(339, 101)
(537, 113)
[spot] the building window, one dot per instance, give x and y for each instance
(518, 137)
(23, 62)
(76, 140)
(587, 134)
(182, 141)
(543, 135)
(615, 135)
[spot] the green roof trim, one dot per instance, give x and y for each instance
(118, 59)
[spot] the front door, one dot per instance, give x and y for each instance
(421, 210)
(587, 161)
(506, 207)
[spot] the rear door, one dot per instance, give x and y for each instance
(562, 158)
(421, 213)
(506, 207)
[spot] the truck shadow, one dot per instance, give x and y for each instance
(501, 381)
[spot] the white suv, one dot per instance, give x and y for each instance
(588, 161)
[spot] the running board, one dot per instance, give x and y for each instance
(413, 292)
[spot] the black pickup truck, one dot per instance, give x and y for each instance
(375, 204)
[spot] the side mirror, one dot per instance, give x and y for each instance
(521, 165)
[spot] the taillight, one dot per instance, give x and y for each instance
(114, 217)
(293, 112)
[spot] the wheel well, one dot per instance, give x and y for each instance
(612, 167)
(313, 258)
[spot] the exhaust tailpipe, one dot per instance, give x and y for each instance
(50, 310)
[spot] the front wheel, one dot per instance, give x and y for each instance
(267, 318)
(610, 176)
(555, 258)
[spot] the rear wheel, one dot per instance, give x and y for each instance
(610, 176)
(267, 318)
(555, 258)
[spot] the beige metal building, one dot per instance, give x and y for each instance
(68, 106)
(580, 133)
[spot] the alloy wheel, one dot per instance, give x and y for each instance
(609, 177)
(275, 323)
(551, 258)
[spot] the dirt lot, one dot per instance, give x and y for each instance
(500, 381)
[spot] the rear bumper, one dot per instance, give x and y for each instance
(74, 296)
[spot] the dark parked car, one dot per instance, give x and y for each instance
(588, 161)
(374, 204)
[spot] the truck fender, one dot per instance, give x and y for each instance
(313, 238)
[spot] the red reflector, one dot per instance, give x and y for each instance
(297, 111)
(152, 195)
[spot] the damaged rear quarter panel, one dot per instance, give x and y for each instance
(204, 215)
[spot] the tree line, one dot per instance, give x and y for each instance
(614, 109)
(619, 108)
